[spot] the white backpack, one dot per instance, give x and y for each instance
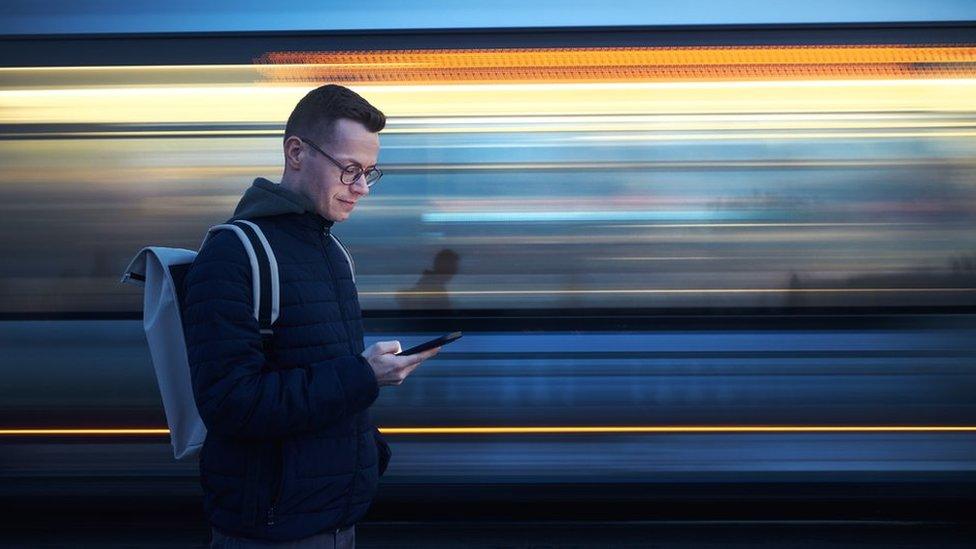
(160, 271)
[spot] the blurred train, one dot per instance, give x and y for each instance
(714, 258)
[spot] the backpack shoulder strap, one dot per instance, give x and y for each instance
(345, 252)
(264, 271)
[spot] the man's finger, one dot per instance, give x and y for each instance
(420, 357)
(430, 353)
(409, 368)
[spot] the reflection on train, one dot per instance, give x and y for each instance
(632, 179)
(554, 204)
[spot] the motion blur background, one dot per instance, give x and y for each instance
(701, 254)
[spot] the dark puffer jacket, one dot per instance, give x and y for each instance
(290, 448)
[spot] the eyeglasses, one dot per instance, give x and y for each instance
(352, 172)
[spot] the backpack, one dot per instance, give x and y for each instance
(160, 271)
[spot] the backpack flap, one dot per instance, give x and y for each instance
(135, 273)
(153, 268)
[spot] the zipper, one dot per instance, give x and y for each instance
(280, 485)
(326, 236)
(352, 485)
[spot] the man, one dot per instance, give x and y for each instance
(291, 455)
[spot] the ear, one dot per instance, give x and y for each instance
(294, 153)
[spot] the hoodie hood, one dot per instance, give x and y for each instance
(264, 199)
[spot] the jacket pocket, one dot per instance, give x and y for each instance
(325, 456)
(383, 452)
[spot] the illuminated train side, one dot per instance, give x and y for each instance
(686, 254)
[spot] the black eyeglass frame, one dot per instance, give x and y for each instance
(352, 171)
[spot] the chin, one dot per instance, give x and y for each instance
(331, 215)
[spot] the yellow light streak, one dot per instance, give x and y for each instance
(123, 68)
(569, 430)
(263, 104)
(509, 82)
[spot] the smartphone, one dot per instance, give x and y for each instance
(443, 340)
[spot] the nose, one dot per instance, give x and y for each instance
(359, 186)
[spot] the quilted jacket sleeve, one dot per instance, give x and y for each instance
(235, 394)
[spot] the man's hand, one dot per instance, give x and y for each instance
(390, 369)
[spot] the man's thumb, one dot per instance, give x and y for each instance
(385, 347)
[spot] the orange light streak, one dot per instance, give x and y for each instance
(568, 430)
(630, 64)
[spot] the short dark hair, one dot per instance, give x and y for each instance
(315, 116)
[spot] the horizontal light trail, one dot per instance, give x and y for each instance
(623, 216)
(754, 225)
(553, 216)
(653, 134)
(568, 124)
(667, 429)
(778, 136)
(576, 64)
(173, 103)
(665, 291)
(663, 258)
(239, 89)
(83, 432)
(671, 165)
(568, 430)
(600, 64)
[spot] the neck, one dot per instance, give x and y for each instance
(289, 182)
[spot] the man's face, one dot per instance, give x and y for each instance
(351, 143)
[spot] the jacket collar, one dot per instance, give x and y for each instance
(317, 222)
